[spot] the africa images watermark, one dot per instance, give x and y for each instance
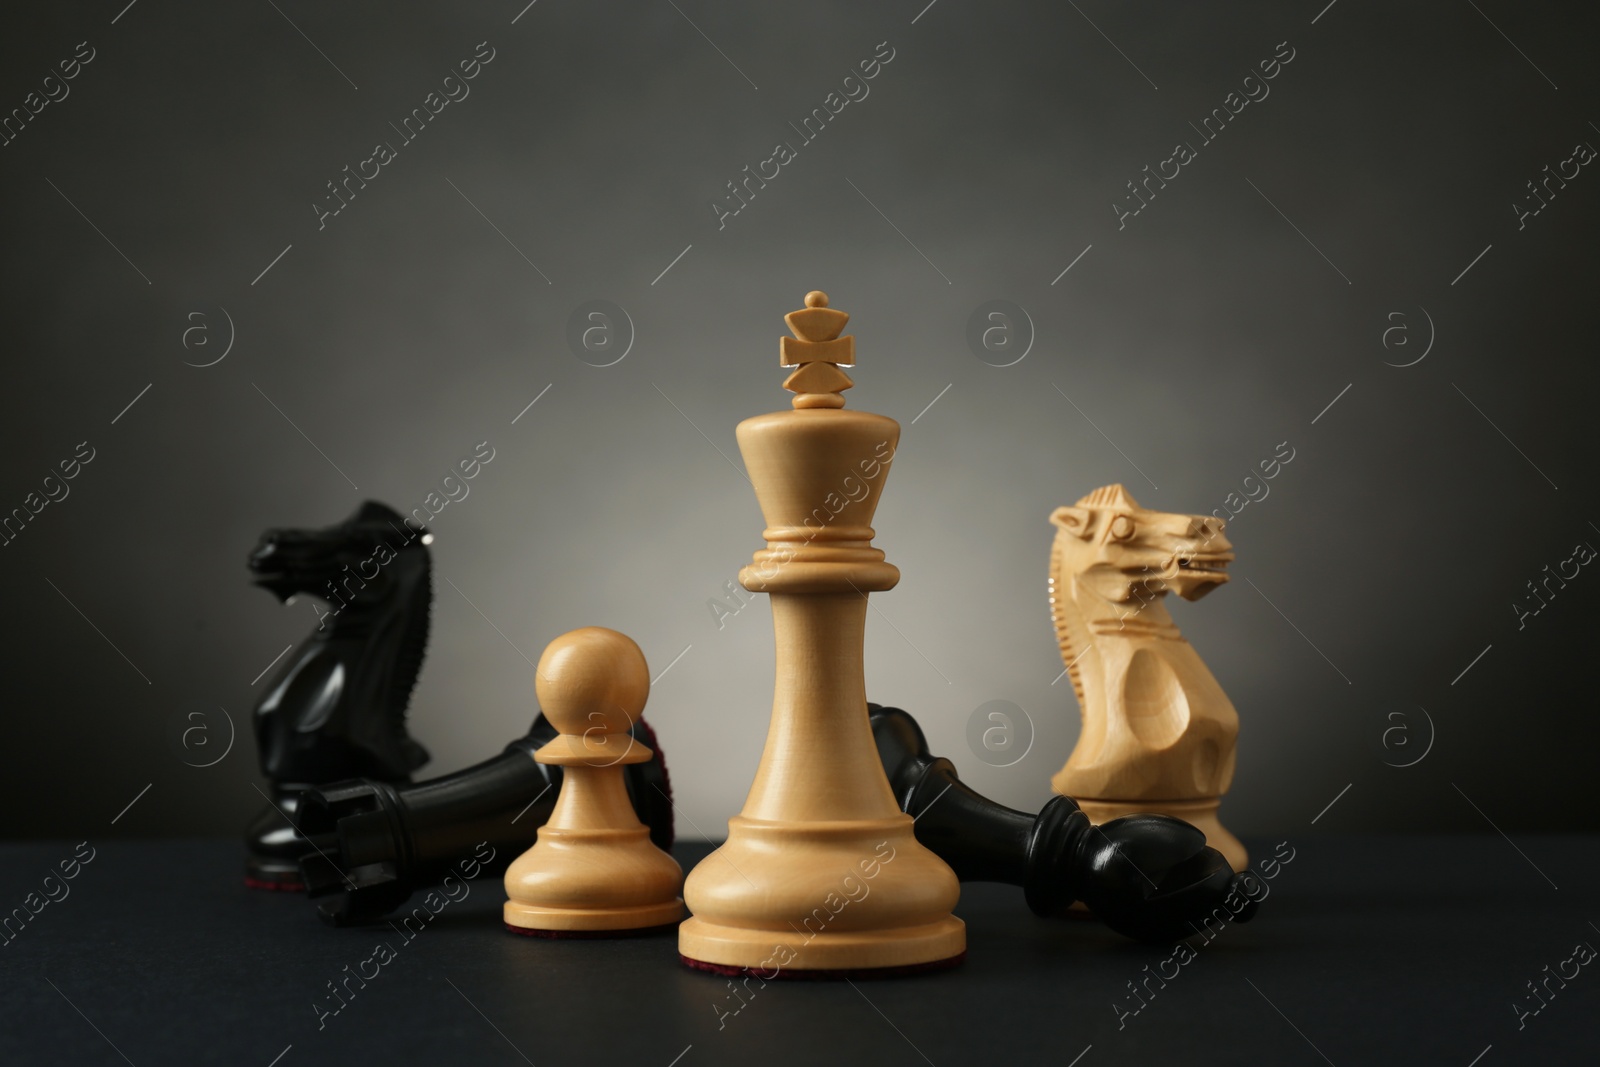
(1582, 554)
(852, 489)
(13, 125)
(1582, 154)
(1147, 591)
(384, 953)
(1184, 953)
(55, 489)
(339, 590)
(55, 891)
(456, 90)
(1582, 955)
(1270, 468)
(855, 89)
(853, 889)
(1185, 152)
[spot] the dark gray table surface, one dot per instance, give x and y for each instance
(1378, 950)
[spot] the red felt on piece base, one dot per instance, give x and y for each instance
(816, 975)
(282, 887)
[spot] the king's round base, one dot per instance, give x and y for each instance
(793, 974)
(1200, 813)
(768, 954)
(853, 895)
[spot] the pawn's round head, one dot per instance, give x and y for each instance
(592, 680)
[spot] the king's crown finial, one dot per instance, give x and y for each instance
(818, 350)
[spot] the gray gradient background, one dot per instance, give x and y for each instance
(1196, 339)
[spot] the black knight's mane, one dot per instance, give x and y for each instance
(337, 708)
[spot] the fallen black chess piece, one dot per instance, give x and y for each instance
(373, 843)
(337, 707)
(1149, 877)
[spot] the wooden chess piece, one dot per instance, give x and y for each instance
(369, 845)
(336, 708)
(1158, 731)
(593, 869)
(1149, 877)
(821, 874)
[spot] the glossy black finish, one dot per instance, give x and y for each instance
(1149, 877)
(336, 707)
(373, 843)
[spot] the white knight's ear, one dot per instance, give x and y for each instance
(1076, 521)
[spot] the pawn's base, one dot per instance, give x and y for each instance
(792, 974)
(562, 922)
(1200, 813)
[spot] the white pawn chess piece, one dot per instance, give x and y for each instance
(593, 869)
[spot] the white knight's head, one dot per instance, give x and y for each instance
(1119, 549)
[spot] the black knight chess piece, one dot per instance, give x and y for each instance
(1148, 877)
(336, 709)
(374, 843)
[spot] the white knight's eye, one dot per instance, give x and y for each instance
(1121, 528)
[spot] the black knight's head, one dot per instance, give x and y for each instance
(365, 546)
